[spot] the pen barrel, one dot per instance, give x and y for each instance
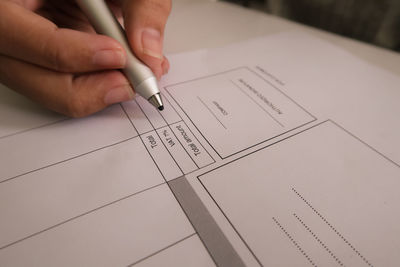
(104, 22)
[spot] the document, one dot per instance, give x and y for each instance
(278, 151)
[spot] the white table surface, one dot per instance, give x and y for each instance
(199, 24)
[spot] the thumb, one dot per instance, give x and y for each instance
(144, 24)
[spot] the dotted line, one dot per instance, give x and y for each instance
(333, 228)
(294, 242)
(319, 240)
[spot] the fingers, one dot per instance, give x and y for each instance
(144, 24)
(32, 38)
(73, 96)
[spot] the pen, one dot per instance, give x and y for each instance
(139, 75)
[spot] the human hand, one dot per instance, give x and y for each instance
(50, 53)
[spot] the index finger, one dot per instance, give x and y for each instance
(30, 37)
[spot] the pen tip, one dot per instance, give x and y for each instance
(156, 101)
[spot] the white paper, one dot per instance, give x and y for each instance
(108, 236)
(328, 204)
(289, 142)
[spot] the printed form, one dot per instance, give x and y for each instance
(279, 151)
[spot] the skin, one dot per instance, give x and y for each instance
(50, 53)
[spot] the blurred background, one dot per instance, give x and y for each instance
(373, 21)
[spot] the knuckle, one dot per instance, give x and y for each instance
(161, 7)
(56, 56)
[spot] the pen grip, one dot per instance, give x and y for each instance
(104, 22)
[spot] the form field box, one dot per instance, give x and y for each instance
(119, 234)
(41, 147)
(192, 146)
(56, 194)
(161, 156)
(180, 155)
(138, 118)
(322, 189)
(239, 106)
(152, 114)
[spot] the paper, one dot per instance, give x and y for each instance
(326, 205)
(215, 105)
(279, 151)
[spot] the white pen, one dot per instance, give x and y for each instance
(139, 75)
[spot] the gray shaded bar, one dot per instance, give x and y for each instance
(209, 232)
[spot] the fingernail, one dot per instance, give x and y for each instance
(119, 94)
(109, 58)
(152, 43)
